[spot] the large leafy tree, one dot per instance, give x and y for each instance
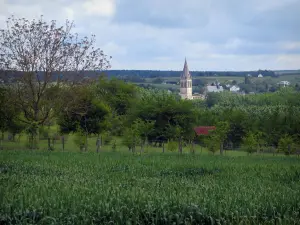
(120, 97)
(9, 114)
(173, 118)
(35, 52)
(220, 134)
(82, 112)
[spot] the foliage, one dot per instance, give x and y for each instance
(137, 134)
(131, 138)
(286, 144)
(157, 80)
(106, 137)
(172, 146)
(82, 111)
(271, 115)
(220, 134)
(114, 146)
(9, 113)
(119, 95)
(250, 143)
(39, 50)
(167, 112)
(212, 143)
(80, 140)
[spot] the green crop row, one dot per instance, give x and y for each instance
(120, 188)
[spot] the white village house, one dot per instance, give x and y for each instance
(235, 88)
(284, 83)
(215, 87)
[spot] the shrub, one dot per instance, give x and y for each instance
(107, 138)
(212, 143)
(250, 143)
(44, 134)
(80, 140)
(286, 145)
(172, 146)
(114, 146)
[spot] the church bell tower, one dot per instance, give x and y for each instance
(186, 90)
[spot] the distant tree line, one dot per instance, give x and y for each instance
(136, 76)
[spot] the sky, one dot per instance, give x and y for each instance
(159, 34)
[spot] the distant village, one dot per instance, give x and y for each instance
(186, 86)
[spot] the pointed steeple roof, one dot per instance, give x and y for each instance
(186, 73)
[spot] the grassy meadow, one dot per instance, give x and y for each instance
(40, 187)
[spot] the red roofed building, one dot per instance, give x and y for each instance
(204, 130)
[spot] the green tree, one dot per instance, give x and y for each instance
(286, 144)
(220, 134)
(172, 146)
(169, 113)
(120, 96)
(42, 51)
(157, 80)
(137, 134)
(212, 143)
(83, 112)
(9, 114)
(250, 143)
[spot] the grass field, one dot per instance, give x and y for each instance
(39, 187)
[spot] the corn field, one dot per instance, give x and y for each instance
(121, 188)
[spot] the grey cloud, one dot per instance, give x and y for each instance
(279, 24)
(157, 34)
(165, 13)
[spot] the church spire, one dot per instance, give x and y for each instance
(186, 73)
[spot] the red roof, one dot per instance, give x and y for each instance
(204, 130)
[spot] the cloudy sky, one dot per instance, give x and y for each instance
(159, 34)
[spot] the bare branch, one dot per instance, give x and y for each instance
(41, 50)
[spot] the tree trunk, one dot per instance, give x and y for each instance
(193, 147)
(142, 148)
(98, 144)
(98, 148)
(63, 143)
(163, 147)
(86, 142)
(180, 145)
(221, 148)
(49, 145)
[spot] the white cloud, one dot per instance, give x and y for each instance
(291, 45)
(69, 13)
(288, 61)
(113, 49)
(234, 43)
(105, 8)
